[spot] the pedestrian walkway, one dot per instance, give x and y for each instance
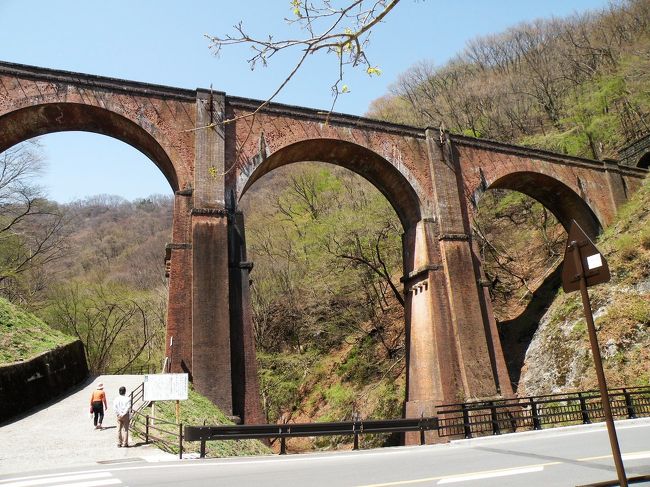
(62, 434)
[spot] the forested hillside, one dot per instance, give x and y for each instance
(91, 269)
(576, 85)
(109, 287)
(327, 300)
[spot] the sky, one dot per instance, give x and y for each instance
(163, 42)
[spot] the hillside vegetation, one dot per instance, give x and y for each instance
(109, 288)
(98, 276)
(577, 85)
(23, 336)
(328, 312)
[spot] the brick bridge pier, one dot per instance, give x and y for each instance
(432, 179)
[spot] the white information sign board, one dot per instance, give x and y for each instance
(165, 387)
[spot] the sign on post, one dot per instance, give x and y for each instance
(585, 266)
(596, 270)
(165, 387)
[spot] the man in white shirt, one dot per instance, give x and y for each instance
(122, 408)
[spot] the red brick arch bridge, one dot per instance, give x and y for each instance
(432, 179)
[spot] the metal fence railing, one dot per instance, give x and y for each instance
(470, 419)
(284, 431)
(535, 412)
(137, 398)
(162, 432)
(130, 370)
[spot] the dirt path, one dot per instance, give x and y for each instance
(62, 433)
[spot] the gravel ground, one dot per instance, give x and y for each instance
(61, 433)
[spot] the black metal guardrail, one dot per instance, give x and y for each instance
(490, 417)
(284, 431)
(534, 412)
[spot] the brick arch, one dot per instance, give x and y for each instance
(31, 121)
(399, 189)
(644, 161)
(556, 196)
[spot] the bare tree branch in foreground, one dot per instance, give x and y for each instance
(343, 31)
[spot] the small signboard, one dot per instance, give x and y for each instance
(165, 387)
(594, 265)
(585, 266)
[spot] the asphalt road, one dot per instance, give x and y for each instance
(561, 457)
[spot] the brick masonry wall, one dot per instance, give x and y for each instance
(631, 154)
(27, 384)
(394, 161)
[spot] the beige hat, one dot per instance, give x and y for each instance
(100, 386)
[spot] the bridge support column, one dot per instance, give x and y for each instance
(211, 353)
(497, 358)
(178, 269)
(453, 349)
(245, 384)
(211, 338)
(433, 370)
(223, 364)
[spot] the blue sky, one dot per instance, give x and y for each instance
(162, 41)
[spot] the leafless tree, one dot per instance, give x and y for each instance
(116, 329)
(31, 227)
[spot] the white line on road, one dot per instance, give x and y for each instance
(626, 456)
(90, 483)
(448, 479)
(489, 475)
(57, 479)
(636, 456)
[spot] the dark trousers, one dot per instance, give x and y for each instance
(98, 411)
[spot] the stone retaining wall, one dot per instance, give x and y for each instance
(24, 385)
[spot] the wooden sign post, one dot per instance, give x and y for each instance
(585, 266)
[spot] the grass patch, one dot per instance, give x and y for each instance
(629, 310)
(198, 410)
(340, 396)
(565, 305)
(579, 330)
(23, 336)
(628, 247)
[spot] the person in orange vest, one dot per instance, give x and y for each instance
(97, 405)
